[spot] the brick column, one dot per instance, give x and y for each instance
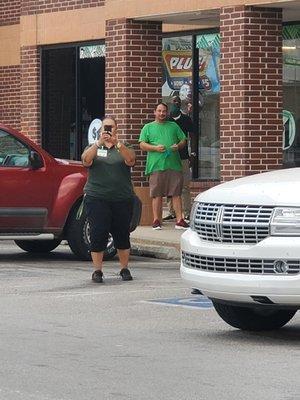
(30, 92)
(251, 91)
(10, 95)
(10, 74)
(133, 80)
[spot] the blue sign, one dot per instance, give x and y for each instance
(190, 302)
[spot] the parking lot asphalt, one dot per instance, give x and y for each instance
(63, 337)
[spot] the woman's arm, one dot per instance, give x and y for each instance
(127, 153)
(89, 154)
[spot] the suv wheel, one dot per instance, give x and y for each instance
(253, 319)
(78, 236)
(38, 246)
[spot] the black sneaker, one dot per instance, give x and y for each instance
(97, 276)
(169, 217)
(125, 274)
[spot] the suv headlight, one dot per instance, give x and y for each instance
(285, 221)
(193, 214)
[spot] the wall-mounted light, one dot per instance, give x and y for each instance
(289, 47)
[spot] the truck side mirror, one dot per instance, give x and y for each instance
(35, 160)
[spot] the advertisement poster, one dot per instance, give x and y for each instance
(177, 63)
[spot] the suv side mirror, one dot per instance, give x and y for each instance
(35, 160)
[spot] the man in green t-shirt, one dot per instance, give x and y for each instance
(162, 139)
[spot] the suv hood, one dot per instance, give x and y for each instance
(281, 188)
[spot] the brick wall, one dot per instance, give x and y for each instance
(10, 96)
(9, 12)
(46, 6)
(251, 91)
(30, 92)
(133, 80)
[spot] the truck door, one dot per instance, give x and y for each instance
(25, 194)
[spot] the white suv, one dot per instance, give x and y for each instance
(243, 249)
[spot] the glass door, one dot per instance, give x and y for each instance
(73, 95)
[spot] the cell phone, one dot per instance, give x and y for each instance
(107, 129)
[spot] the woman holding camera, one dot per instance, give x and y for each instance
(109, 196)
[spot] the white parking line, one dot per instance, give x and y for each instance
(66, 294)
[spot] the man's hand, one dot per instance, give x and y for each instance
(174, 147)
(160, 148)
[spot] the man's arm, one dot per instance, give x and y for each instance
(178, 146)
(151, 147)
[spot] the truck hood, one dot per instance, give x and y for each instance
(279, 188)
(68, 162)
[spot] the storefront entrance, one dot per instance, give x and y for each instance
(73, 94)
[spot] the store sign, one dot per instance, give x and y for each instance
(178, 69)
(94, 130)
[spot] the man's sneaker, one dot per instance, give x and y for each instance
(125, 274)
(181, 225)
(97, 276)
(169, 217)
(156, 225)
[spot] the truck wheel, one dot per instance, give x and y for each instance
(38, 246)
(78, 236)
(253, 319)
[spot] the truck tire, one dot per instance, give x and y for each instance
(253, 319)
(78, 238)
(38, 246)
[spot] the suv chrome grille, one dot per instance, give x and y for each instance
(236, 265)
(232, 223)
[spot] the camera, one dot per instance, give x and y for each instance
(107, 129)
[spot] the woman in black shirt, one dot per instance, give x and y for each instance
(109, 196)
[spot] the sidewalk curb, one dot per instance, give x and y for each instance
(161, 251)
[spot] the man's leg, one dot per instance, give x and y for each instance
(177, 207)
(157, 208)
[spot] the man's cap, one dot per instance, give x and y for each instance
(176, 99)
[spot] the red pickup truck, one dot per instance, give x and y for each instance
(39, 198)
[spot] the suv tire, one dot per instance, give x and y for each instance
(253, 319)
(38, 246)
(78, 237)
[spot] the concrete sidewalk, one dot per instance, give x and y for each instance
(164, 243)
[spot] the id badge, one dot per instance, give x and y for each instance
(102, 153)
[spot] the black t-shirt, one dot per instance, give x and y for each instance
(186, 125)
(109, 177)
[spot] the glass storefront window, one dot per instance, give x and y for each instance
(209, 110)
(177, 58)
(73, 93)
(178, 80)
(291, 95)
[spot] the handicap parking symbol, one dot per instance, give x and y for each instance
(189, 302)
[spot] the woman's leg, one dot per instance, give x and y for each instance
(123, 257)
(97, 258)
(99, 217)
(121, 218)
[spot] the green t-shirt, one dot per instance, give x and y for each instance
(167, 134)
(109, 177)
